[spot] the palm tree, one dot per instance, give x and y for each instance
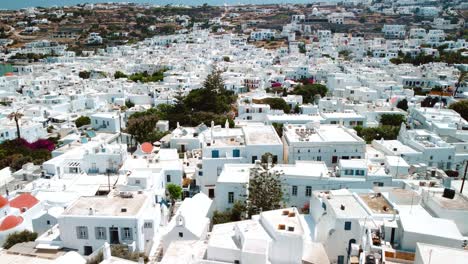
(460, 80)
(16, 116)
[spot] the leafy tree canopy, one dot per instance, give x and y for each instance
(19, 237)
(392, 119)
(174, 191)
(82, 120)
(461, 107)
(308, 91)
(265, 191)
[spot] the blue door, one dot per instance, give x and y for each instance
(215, 153)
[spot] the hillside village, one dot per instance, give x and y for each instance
(237, 134)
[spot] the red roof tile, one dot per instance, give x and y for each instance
(10, 222)
(3, 201)
(24, 200)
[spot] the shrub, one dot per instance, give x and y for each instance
(19, 237)
(82, 120)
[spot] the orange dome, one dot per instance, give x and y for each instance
(10, 222)
(9, 74)
(3, 201)
(146, 147)
(24, 200)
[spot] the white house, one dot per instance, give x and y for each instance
(126, 218)
(190, 222)
(328, 143)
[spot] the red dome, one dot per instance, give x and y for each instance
(147, 147)
(24, 200)
(10, 222)
(3, 201)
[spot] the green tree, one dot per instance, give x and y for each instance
(236, 213)
(19, 237)
(141, 127)
(84, 74)
(82, 121)
(279, 128)
(403, 105)
(461, 107)
(16, 116)
(213, 97)
(265, 190)
(277, 103)
(119, 74)
(376, 133)
(174, 192)
(129, 104)
(392, 119)
(297, 109)
(308, 91)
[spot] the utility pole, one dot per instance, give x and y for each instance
(464, 177)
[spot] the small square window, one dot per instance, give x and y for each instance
(347, 225)
(181, 234)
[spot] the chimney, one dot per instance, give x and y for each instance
(106, 251)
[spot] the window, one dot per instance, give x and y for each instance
(127, 233)
(349, 172)
(100, 233)
(360, 172)
(324, 206)
(340, 259)
(294, 190)
(82, 232)
(308, 191)
(275, 159)
(168, 178)
(137, 182)
(449, 157)
(215, 153)
(319, 158)
(148, 225)
(230, 197)
(48, 222)
(254, 158)
(236, 153)
(181, 234)
(347, 225)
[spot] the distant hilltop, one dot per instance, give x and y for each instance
(51, 3)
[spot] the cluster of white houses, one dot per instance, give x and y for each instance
(346, 200)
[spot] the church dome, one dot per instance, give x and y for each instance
(10, 222)
(3, 201)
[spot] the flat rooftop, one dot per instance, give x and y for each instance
(320, 133)
(352, 209)
(457, 203)
(432, 226)
(107, 206)
(275, 218)
(438, 254)
(235, 173)
(377, 203)
(397, 147)
(261, 135)
(303, 169)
